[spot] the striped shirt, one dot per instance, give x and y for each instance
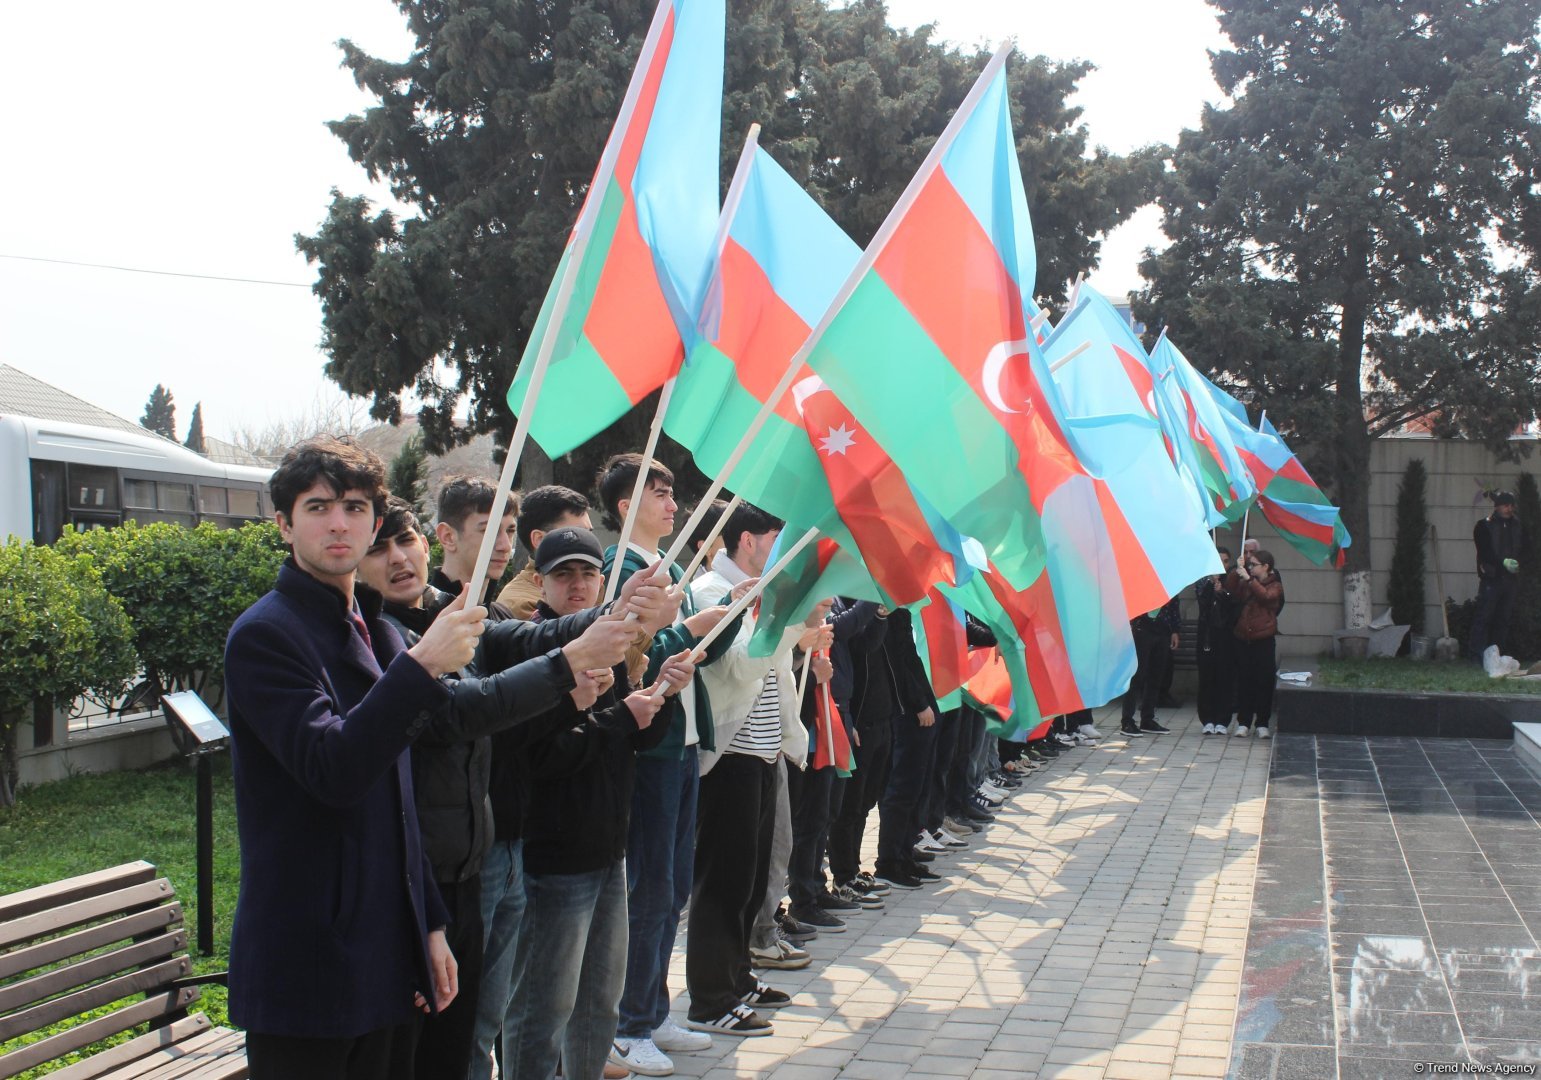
(761, 734)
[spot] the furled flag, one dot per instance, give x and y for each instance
(831, 744)
(1198, 436)
(928, 338)
(1108, 396)
(622, 306)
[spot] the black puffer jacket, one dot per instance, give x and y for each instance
(452, 759)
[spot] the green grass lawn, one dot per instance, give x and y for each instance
(1418, 675)
(92, 822)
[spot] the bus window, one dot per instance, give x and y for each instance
(139, 494)
(212, 500)
(93, 487)
(177, 498)
(243, 503)
(47, 501)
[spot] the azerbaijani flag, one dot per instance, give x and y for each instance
(1198, 435)
(831, 745)
(928, 338)
(623, 303)
(821, 570)
(1155, 520)
(781, 262)
(993, 692)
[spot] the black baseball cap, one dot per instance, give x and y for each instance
(1504, 498)
(568, 545)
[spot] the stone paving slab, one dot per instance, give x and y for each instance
(1096, 929)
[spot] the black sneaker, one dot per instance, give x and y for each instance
(898, 877)
(1130, 731)
(920, 857)
(861, 897)
(828, 901)
(765, 997)
(739, 1020)
(795, 930)
(819, 919)
(1153, 727)
(925, 875)
(867, 883)
(977, 810)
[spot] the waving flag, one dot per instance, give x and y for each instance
(928, 340)
(1156, 521)
(1197, 432)
(623, 303)
(821, 570)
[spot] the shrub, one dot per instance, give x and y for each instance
(61, 636)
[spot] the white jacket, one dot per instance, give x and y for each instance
(734, 680)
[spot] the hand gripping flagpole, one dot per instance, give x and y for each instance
(583, 228)
(863, 265)
(729, 208)
(753, 594)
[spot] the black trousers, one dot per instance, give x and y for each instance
(1217, 680)
(863, 788)
(900, 808)
(1256, 672)
(1153, 649)
(813, 793)
(971, 733)
(444, 1040)
(735, 819)
(385, 1054)
(934, 803)
(1495, 607)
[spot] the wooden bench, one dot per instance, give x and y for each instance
(74, 948)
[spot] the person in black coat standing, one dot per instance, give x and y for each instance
(1498, 539)
(1216, 652)
(338, 938)
(1156, 635)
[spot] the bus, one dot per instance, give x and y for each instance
(54, 474)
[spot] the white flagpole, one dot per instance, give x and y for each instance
(754, 592)
(829, 728)
(802, 680)
(582, 230)
(700, 556)
(1069, 356)
(729, 208)
(863, 265)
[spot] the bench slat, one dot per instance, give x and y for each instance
(52, 921)
(146, 981)
(40, 988)
(58, 893)
(223, 1054)
(81, 1035)
(125, 1054)
(92, 938)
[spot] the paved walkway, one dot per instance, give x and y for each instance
(1097, 929)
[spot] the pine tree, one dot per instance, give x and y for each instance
(1356, 233)
(1408, 564)
(160, 413)
(407, 477)
(194, 440)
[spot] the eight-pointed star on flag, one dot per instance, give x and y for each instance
(839, 440)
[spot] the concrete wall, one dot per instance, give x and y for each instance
(1456, 473)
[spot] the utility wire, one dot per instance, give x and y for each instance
(162, 273)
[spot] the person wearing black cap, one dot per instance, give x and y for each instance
(577, 806)
(1498, 538)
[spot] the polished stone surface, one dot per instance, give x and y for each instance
(1395, 912)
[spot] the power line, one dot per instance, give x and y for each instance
(161, 273)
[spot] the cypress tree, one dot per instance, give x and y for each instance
(1408, 565)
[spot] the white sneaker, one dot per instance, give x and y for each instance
(1063, 740)
(1209, 729)
(1263, 732)
(642, 1057)
(927, 842)
(948, 840)
(670, 1036)
(994, 790)
(1090, 731)
(1241, 732)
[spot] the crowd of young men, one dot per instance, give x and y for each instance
(471, 820)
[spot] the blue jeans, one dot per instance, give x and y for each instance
(576, 939)
(502, 918)
(660, 868)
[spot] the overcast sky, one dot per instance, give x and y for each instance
(188, 136)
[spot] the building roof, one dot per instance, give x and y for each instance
(24, 395)
(228, 453)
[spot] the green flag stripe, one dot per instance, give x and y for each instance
(908, 395)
